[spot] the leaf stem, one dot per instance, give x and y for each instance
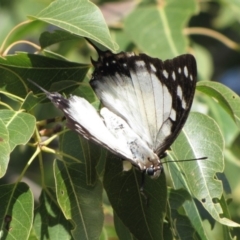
(20, 42)
(7, 37)
(214, 34)
(38, 150)
(5, 105)
(12, 96)
(50, 150)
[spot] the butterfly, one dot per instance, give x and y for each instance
(145, 100)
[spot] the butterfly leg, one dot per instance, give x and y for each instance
(142, 187)
(163, 155)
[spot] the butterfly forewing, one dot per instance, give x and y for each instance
(154, 97)
(114, 86)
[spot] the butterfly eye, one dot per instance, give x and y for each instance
(150, 171)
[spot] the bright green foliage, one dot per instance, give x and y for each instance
(83, 193)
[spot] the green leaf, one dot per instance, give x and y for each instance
(47, 39)
(49, 221)
(184, 228)
(83, 151)
(4, 148)
(79, 191)
(79, 17)
(20, 126)
(158, 29)
(142, 215)
(86, 92)
(228, 14)
(122, 39)
(223, 119)
(16, 212)
(80, 202)
(200, 137)
(16, 69)
(31, 101)
(204, 62)
(228, 99)
(122, 231)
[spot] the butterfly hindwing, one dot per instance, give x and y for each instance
(83, 118)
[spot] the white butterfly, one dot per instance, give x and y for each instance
(146, 103)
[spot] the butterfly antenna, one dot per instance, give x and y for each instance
(187, 160)
(38, 86)
(56, 98)
(49, 95)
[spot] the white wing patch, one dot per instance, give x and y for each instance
(153, 68)
(180, 95)
(185, 71)
(165, 74)
(87, 121)
(179, 92)
(173, 76)
(173, 114)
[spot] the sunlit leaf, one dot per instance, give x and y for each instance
(79, 17)
(16, 212)
(4, 148)
(49, 221)
(20, 126)
(199, 177)
(79, 191)
(158, 28)
(16, 69)
(228, 99)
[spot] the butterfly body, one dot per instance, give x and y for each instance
(140, 152)
(146, 103)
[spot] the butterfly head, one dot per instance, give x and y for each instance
(151, 165)
(154, 171)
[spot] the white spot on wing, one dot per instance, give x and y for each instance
(140, 63)
(130, 54)
(173, 75)
(173, 115)
(153, 68)
(179, 92)
(165, 73)
(180, 95)
(191, 77)
(185, 71)
(179, 70)
(166, 129)
(184, 104)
